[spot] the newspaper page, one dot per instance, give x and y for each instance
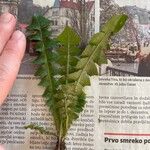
(116, 115)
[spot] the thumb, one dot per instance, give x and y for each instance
(10, 61)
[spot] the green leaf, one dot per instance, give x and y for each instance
(69, 37)
(94, 52)
(40, 129)
(113, 26)
(67, 99)
(68, 51)
(45, 59)
(38, 23)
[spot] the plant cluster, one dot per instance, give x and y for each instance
(64, 73)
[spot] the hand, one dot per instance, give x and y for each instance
(12, 47)
(1, 148)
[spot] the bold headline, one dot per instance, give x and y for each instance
(127, 140)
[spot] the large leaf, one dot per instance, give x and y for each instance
(94, 52)
(68, 102)
(68, 51)
(38, 30)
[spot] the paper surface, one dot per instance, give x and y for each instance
(115, 116)
(25, 105)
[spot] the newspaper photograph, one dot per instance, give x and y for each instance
(116, 113)
(129, 51)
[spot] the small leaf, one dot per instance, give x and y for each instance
(40, 129)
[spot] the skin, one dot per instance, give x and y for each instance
(12, 47)
(1, 148)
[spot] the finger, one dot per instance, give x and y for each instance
(7, 26)
(10, 62)
(1, 147)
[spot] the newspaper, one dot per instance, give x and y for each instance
(116, 115)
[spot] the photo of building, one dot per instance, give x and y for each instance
(68, 13)
(130, 49)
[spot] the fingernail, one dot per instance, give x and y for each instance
(17, 35)
(6, 17)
